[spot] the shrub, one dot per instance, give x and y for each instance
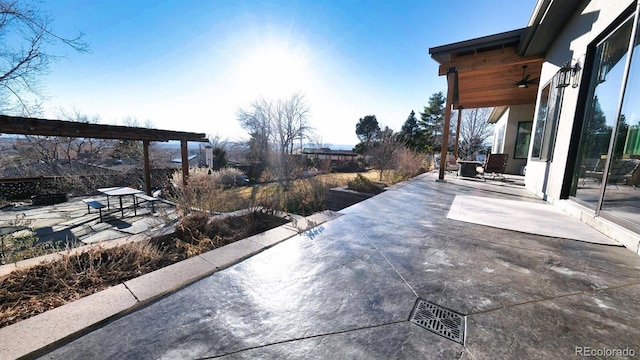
(303, 197)
(205, 190)
(408, 163)
(362, 184)
(32, 291)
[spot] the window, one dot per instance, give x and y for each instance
(548, 115)
(523, 137)
(499, 140)
(609, 132)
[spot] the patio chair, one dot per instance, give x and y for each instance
(622, 172)
(494, 165)
(451, 163)
(593, 168)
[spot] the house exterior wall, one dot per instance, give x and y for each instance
(507, 127)
(544, 178)
(516, 114)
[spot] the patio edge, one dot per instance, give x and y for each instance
(42, 333)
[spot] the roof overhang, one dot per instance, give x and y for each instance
(496, 114)
(33, 126)
(547, 20)
(488, 69)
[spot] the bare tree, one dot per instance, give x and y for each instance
(276, 125)
(33, 148)
(383, 150)
(474, 131)
(133, 149)
(48, 149)
(25, 32)
(257, 121)
(290, 123)
(77, 146)
(296, 115)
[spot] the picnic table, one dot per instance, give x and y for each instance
(120, 192)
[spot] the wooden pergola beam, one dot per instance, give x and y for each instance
(42, 127)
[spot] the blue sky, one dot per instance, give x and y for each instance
(189, 65)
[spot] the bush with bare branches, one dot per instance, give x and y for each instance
(205, 190)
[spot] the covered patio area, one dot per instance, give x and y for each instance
(489, 71)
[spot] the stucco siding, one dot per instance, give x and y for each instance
(589, 22)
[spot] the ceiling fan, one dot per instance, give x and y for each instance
(524, 82)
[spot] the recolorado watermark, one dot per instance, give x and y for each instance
(603, 352)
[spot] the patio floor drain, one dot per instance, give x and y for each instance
(444, 322)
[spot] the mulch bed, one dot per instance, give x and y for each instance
(29, 292)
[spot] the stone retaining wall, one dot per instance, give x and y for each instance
(21, 189)
(341, 197)
(25, 188)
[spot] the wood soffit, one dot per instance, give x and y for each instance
(488, 78)
(43, 127)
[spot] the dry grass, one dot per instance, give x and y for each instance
(28, 292)
(331, 179)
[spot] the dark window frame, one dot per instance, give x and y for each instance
(547, 123)
(519, 135)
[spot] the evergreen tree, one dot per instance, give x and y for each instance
(413, 135)
(367, 129)
(431, 120)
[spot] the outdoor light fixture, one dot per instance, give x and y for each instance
(524, 83)
(564, 78)
(575, 75)
(569, 75)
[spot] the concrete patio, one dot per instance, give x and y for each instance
(347, 289)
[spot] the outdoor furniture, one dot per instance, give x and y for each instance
(92, 203)
(494, 165)
(468, 168)
(621, 172)
(451, 163)
(120, 192)
(152, 199)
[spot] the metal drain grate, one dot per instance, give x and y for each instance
(441, 321)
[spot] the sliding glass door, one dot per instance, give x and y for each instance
(608, 163)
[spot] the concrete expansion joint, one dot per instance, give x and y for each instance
(390, 264)
(293, 340)
(132, 293)
(551, 298)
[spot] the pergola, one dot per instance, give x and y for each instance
(43, 127)
(484, 72)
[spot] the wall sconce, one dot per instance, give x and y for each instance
(575, 75)
(564, 75)
(569, 75)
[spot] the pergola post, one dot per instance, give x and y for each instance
(455, 149)
(185, 161)
(451, 74)
(147, 168)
